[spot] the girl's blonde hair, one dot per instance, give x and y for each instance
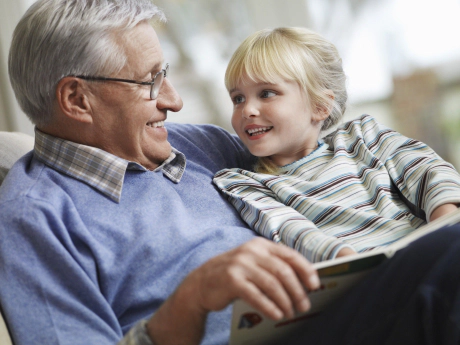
(294, 54)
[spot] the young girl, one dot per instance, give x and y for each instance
(361, 187)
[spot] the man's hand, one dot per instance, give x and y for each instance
(270, 277)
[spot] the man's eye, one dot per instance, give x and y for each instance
(267, 94)
(238, 99)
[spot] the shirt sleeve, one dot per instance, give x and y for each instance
(424, 180)
(137, 335)
(260, 209)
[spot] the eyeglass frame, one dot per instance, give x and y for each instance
(154, 92)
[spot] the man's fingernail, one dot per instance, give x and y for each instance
(304, 305)
(314, 281)
(278, 314)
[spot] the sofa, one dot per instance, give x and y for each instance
(13, 145)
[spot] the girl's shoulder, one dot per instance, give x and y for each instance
(364, 130)
(364, 127)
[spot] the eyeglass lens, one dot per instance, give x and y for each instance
(157, 82)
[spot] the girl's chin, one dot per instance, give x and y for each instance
(260, 154)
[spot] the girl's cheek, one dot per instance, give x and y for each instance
(235, 122)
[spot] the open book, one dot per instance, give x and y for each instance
(337, 276)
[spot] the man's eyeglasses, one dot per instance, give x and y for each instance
(155, 84)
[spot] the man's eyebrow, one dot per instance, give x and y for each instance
(153, 69)
(158, 66)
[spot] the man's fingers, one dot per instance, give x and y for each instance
(270, 277)
(259, 301)
(273, 288)
(282, 274)
(293, 275)
(304, 270)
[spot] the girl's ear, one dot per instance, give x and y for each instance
(72, 99)
(323, 110)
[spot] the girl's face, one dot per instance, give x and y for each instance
(275, 120)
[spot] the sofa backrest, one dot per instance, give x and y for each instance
(13, 145)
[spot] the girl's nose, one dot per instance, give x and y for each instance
(250, 110)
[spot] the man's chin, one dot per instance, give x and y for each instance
(157, 154)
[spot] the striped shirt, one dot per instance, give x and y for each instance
(365, 187)
(102, 170)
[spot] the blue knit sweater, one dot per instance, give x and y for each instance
(79, 268)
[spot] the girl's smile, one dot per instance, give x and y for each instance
(255, 131)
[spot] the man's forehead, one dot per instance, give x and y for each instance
(142, 48)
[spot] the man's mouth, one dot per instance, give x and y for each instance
(258, 131)
(156, 124)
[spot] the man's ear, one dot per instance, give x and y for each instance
(323, 110)
(72, 99)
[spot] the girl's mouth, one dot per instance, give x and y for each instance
(258, 131)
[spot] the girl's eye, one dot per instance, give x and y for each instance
(238, 99)
(267, 94)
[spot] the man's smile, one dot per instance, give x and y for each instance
(156, 124)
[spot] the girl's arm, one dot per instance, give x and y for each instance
(425, 179)
(259, 208)
(443, 210)
(421, 176)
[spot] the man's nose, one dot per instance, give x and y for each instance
(168, 98)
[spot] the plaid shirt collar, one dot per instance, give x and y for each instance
(96, 167)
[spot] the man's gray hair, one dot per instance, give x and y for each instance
(57, 38)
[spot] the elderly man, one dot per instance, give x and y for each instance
(108, 218)
(113, 218)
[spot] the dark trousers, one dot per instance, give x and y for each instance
(414, 298)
